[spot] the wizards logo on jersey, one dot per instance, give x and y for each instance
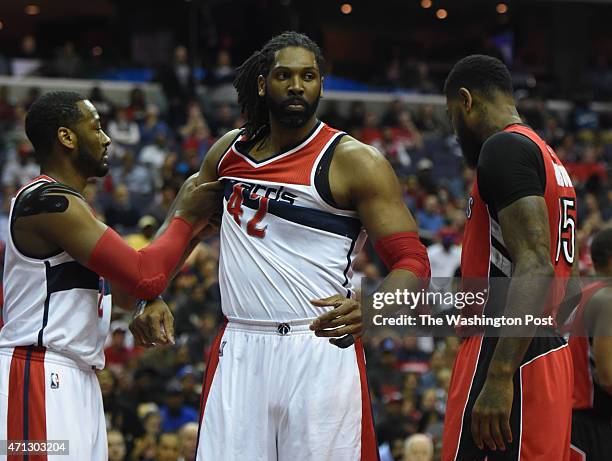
(281, 204)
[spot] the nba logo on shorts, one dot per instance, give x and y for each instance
(54, 381)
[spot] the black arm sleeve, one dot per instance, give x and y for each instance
(510, 167)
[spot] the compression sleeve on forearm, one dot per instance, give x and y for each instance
(404, 250)
(142, 274)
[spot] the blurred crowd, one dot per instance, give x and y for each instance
(151, 397)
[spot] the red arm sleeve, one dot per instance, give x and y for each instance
(404, 250)
(143, 274)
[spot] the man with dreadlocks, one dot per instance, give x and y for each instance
(299, 199)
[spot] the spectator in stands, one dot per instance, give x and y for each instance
(121, 214)
(392, 113)
(123, 132)
(7, 109)
(178, 85)
(444, 258)
(139, 180)
(222, 72)
(104, 106)
(190, 384)
(175, 413)
(152, 125)
(408, 133)
(418, 447)
(384, 376)
(223, 121)
(393, 148)
(370, 132)
(117, 353)
(116, 446)
(188, 441)
(429, 219)
(67, 62)
(168, 448)
(15, 130)
(118, 411)
(152, 156)
(147, 226)
(20, 169)
(428, 122)
(27, 60)
(137, 107)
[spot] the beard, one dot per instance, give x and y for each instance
(289, 118)
(89, 165)
(470, 144)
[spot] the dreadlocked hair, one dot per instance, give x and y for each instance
(252, 105)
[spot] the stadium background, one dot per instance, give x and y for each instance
(160, 75)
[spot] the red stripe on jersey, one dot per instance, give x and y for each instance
(37, 178)
(37, 412)
(211, 368)
(34, 366)
(581, 351)
(292, 167)
(15, 401)
(369, 447)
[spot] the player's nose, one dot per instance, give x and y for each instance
(296, 85)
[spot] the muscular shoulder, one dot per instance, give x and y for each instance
(357, 169)
(353, 154)
(208, 170)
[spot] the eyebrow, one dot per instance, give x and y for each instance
(286, 67)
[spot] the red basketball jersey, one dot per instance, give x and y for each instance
(484, 253)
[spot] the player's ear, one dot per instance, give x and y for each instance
(466, 98)
(261, 86)
(321, 92)
(66, 137)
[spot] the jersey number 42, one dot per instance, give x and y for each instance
(234, 207)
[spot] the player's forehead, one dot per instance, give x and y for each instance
(294, 57)
(90, 114)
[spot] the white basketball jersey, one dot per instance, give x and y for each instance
(54, 302)
(282, 241)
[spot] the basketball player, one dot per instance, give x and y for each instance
(592, 357)
(299, 198)
(510, 397)
(59, 260)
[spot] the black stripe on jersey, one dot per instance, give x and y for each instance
(70, 275)
(321, 180)
(63, 277)
(317, 219)
(348, 265)
(26, 397)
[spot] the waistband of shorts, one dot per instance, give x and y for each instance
(282, 328)
(36, 354)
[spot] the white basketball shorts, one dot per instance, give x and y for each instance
(45, 396)
(276, 392)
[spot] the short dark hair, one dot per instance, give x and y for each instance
(48, 113)
(478, 73)
(601, 248)
(259, 63)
